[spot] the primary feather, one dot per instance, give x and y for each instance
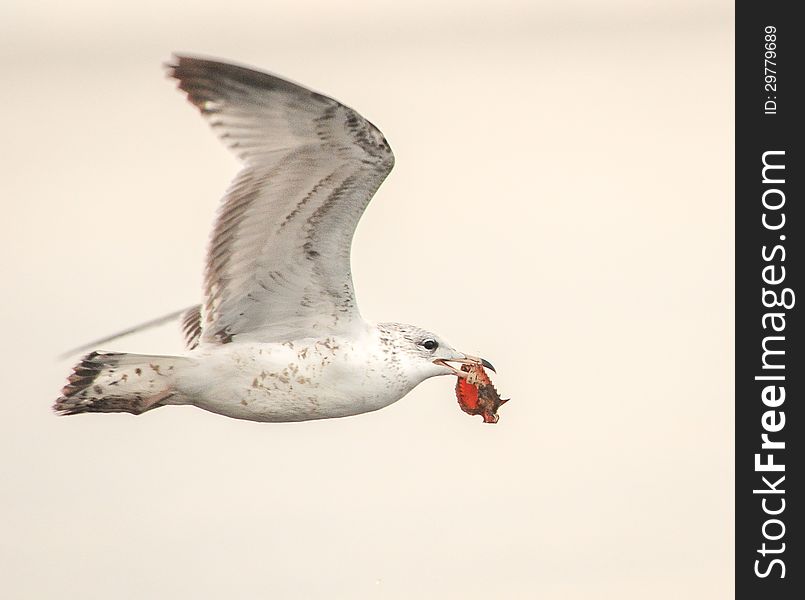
(278, 264)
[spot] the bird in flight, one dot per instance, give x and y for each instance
(279, 336)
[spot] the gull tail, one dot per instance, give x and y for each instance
(119, 382)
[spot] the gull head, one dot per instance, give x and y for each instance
(421, 354)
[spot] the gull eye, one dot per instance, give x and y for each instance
(430, 344)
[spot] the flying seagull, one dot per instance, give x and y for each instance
(279, 336)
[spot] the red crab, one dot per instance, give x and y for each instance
(476, 394)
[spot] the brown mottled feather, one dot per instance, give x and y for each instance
(278, 261)
(191, 326)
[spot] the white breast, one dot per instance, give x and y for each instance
(294, 381)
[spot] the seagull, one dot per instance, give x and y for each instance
(279, 336)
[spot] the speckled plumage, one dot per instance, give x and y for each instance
(279, 336)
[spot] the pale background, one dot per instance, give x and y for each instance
(562, 204)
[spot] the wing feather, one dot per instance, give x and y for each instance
(278, 262)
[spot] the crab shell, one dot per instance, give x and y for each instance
(476, 394)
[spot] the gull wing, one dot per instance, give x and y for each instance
(190, 323)
(278, 264)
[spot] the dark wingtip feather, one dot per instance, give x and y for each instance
(191, 327)
(85, 372)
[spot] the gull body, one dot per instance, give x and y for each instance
(279, 336)
(304, 379)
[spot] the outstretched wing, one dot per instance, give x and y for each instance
(278, 265)
(191, 330)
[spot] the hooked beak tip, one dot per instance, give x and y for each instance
(488, 365)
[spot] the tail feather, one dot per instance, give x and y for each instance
(119, 382)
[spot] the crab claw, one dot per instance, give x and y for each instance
(490, 417)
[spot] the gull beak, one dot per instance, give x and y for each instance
(464, 359)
